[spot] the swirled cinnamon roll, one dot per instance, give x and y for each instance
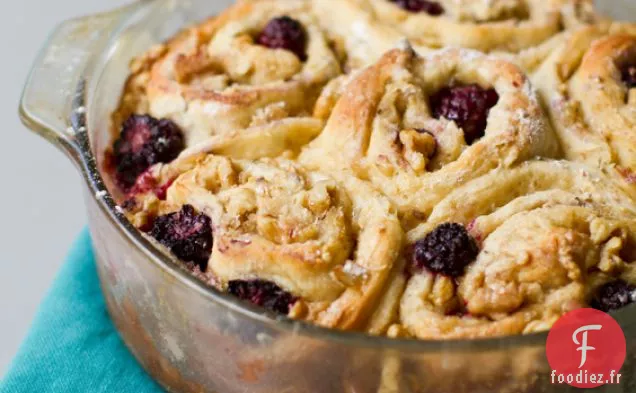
(512, 251)
(242, 84)
(588, 84)
(503, 25)
(418, 127)
(295, 242)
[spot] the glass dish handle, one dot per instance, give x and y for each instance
(57, 76)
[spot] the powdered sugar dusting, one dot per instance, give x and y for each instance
(469, 55)
(534, 125)
(404, 44)
(354, 269)
(530, 91)
(465, 55)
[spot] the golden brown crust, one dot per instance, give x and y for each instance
(373, 127)
(334, 244)
(221, 87)
(362, 36)
(550, 233)
(591, 108)
(320, 175)
(503, 25)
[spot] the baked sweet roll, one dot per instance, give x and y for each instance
(241, 84)
(514, 250)
(418, 127)
(293, 241)
(362, 38)
(502, 25)
(589, 87)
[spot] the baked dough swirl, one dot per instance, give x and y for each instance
(330, 245)
(231, 93)
(384, 127)
(503, 25)
(287, 153)
(549, 235)
(585, 84)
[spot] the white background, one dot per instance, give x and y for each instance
(40, 197)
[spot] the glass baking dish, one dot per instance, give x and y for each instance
(192, 338)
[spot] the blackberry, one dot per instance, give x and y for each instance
(629, 76)
(430, 7)
(284, 33)
(468, 106)
(447, 250)
(143, 142)
(187, 234)
(614, 295)
(263, 293)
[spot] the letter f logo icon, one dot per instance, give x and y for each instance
(583, 344)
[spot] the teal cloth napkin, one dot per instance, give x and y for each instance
(73, 345)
